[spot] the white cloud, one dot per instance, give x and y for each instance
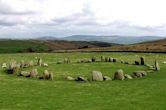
(63, 17)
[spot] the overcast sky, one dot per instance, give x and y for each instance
(59, 18)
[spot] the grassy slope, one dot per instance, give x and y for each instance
(151, 46)
(18, 93)
(17, 46)
(14, 46)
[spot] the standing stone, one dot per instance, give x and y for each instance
(17, 70)
(51, 76)
(47, 75)
(114, 60)
(102, 58)
(39, 62)
(12, 64)
(30, 63)
(67, 60)
(109, 59)
(97, 76)
(33, 73)
(142, 60)
(119, 75)
(22, 64)
(93, 59)
(157, 67)
(106, 59)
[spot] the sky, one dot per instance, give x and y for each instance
(60, 18)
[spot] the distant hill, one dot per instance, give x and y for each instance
(112, 39)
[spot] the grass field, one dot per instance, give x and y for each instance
(147, 93)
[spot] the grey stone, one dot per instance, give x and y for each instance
(30, 63)
(106, 78)
(25, 73)
(69, 78)
(114, 60)
(81, 78)
(39, 62)
(93, 59)
(4, 65)
(157, 67)
(33, 73)
(97, 76)
(142, 60)
(119, 75)
(102, 58)
(140, 73)
(47, 75)
(127, 76)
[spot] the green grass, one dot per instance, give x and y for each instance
(15, 46)
(147, 93)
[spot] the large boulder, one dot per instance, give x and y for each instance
(157, 67)
(142, 60)
(97, 76)
(119, 75)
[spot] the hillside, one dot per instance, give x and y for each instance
(151, 46)
(112, 39)
(15, 46)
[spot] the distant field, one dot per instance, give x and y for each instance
(147, 93)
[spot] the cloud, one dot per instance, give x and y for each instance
(16, 7)
(83, 18)
(66, 17)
